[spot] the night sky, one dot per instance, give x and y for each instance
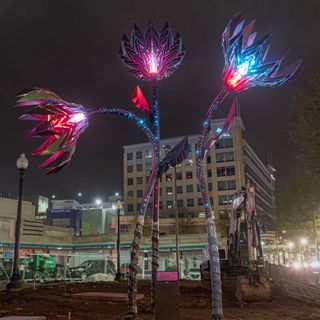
(72, 48)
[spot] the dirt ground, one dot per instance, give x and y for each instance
(55, 302)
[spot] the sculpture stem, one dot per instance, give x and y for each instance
(155, 210)
(216, 293)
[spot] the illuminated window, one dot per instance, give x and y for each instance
(168, 177)
(169, 190)
(169, 204)
(189, 174)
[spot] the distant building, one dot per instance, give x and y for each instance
(228, 166)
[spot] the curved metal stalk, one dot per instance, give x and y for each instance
(132, 283)
(155, 210)
(216, 294)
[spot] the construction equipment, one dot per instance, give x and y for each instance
(244, 250)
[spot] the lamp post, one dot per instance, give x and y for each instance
(118, 274)
(15, 280)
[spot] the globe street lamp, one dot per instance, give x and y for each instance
(15, 280)
(118, 274)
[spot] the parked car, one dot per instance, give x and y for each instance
(90, 267)
(194, 274)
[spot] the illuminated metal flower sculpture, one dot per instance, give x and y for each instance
(245, 60)
(61, 124)
(152, 54)
(245, 67)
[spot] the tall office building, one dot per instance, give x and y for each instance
(228, 165)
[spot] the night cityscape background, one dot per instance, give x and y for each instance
(71, 47)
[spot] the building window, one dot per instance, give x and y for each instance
(220, 157)
(129, 156)
(224, 156)
(211, 200)
(169, 204)
(179, 189)
(130, 169)
(190, 202)
(139, 155)
(139, 180)
(200, 202)
(130, 194)
(189, 175)
(210, 186)
(130, 181)
(229, 156)
(168, 177)
(208, 158)
(209, 173)
(148, 154)
(219, 144)
(231, 184)
(222, 185)
(179, 175)
(160, 192)
(124, 228)
(228, 143)
(180, 203)
(189, 188)
(231, 171)
(139, 193)
(198, 188)
(169, 190)
(225, 171)
(139, 167)
(130, 207)
(223, 200)
(138, 206)
(150, 205)
(160, 205)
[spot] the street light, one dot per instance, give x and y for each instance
(79, 194)
(117, 194)
(15, 280)
(98, 202)
(302, 242)
(118, 274)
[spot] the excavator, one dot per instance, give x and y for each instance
(244, 261)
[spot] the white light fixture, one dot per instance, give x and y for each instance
(98, 202)
(22, 162)
(79, 194)
(117, 194)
